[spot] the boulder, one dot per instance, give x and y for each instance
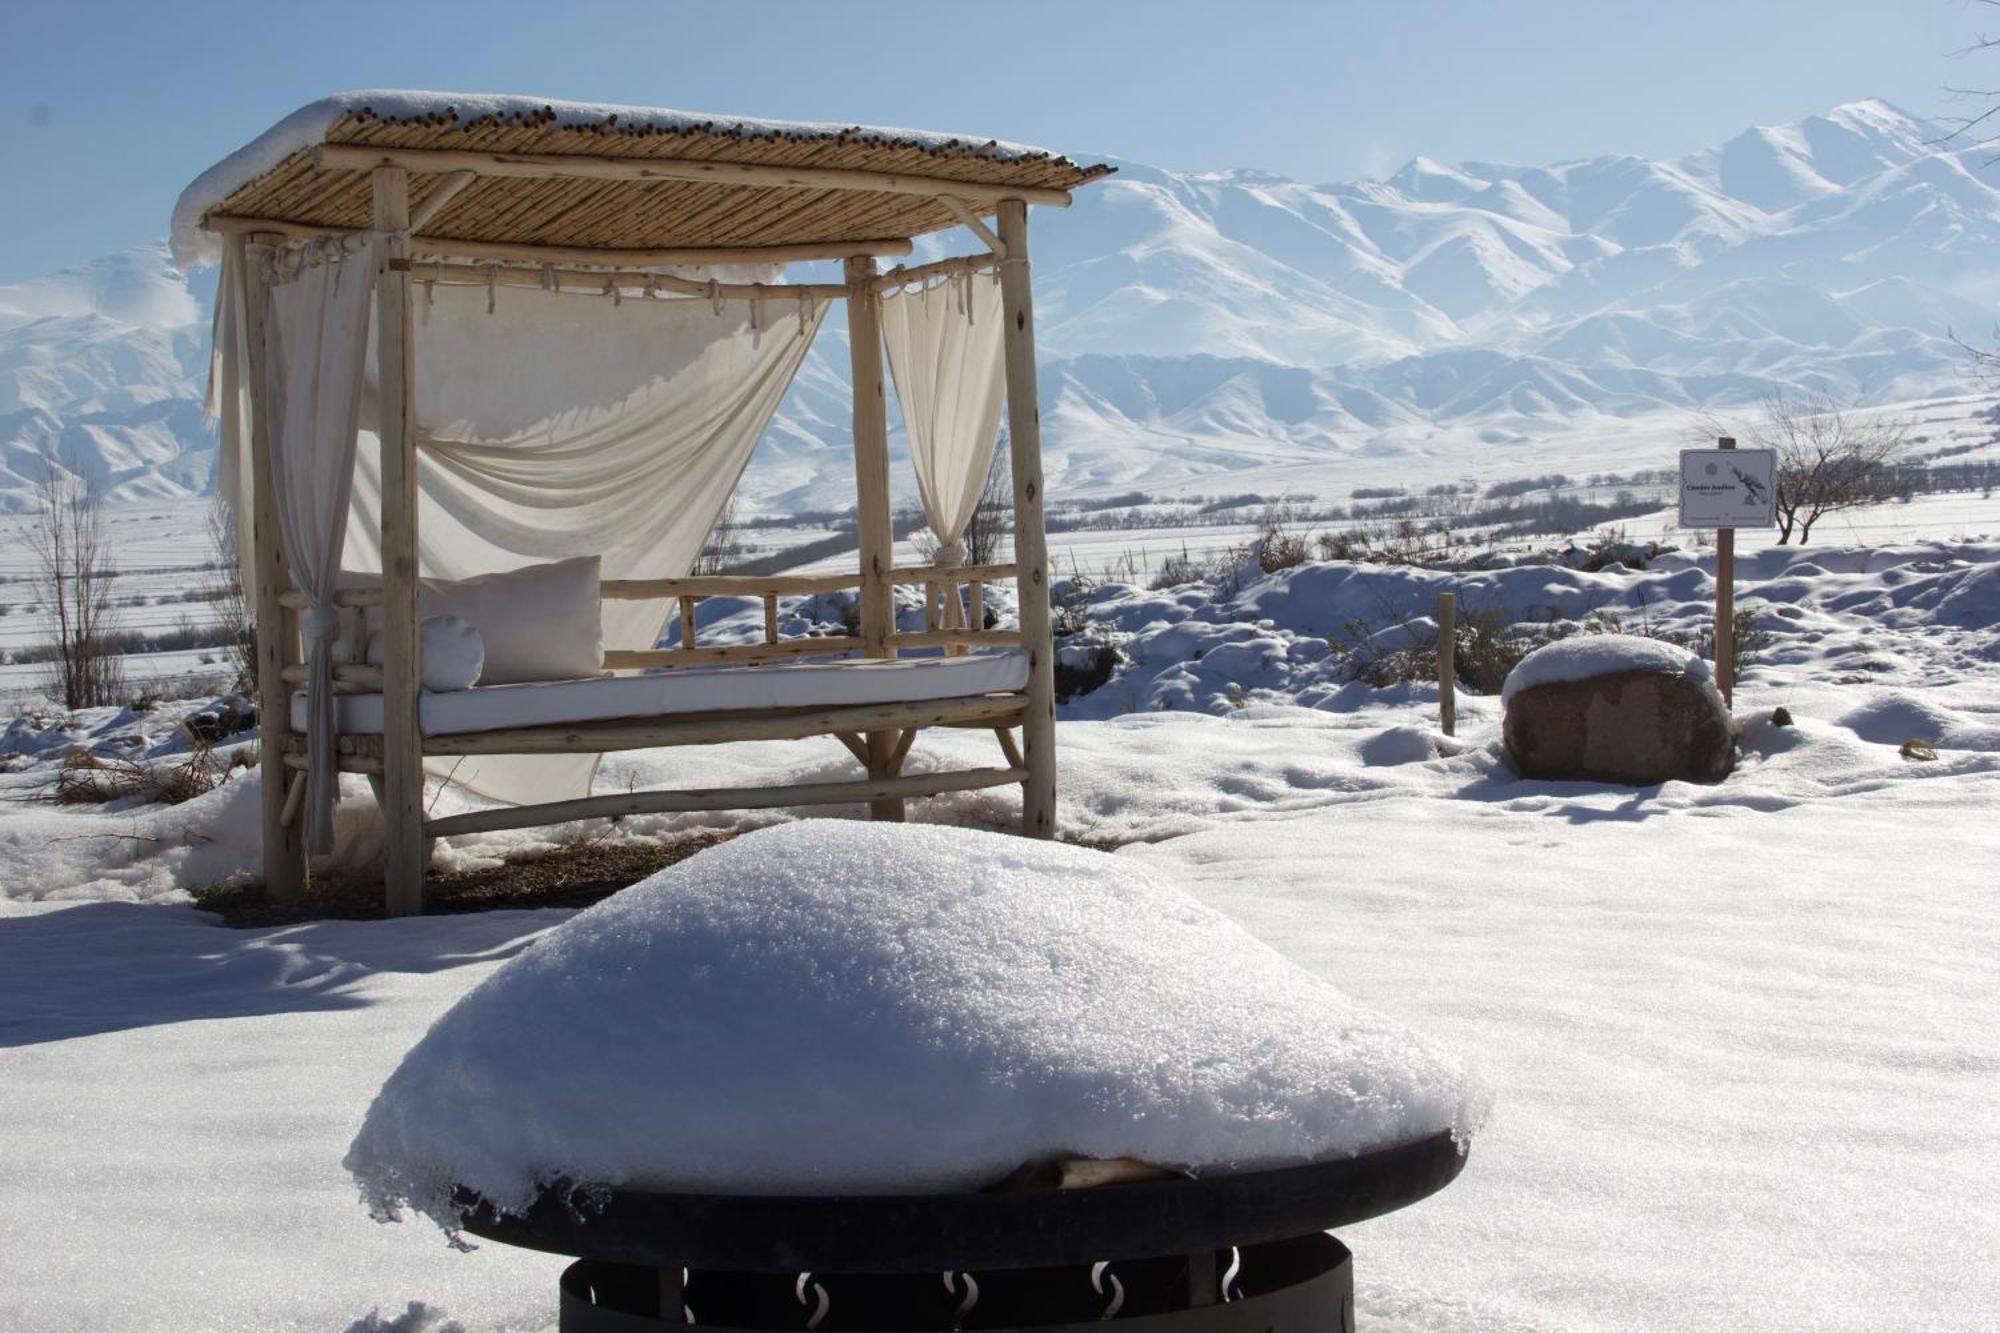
(1616, 708)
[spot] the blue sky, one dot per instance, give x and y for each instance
(107, 109)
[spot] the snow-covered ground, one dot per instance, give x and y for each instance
(1744, 1039)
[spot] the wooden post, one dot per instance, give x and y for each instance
(402, 791)
(1031, 552)
(284, 840)
(874, 523)
(1447, 654)
(1725, 603)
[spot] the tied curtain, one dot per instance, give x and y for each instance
(553, 424)
(315, 348)
(944, 348)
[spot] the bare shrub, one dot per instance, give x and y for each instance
(723, 548)
(236, 626)
(1278, 546)
(72, 554)
(1490, 641)
(91, 779)
(1832, 456)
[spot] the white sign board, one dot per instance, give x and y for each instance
(1729, 488)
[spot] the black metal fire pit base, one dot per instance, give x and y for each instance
(1242, 1252)
(1301, 1285)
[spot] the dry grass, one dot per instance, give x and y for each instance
(1918, 750)
(576, 873)
(92, 779)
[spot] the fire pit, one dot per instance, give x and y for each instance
(833, 1076)
(1239, 1253)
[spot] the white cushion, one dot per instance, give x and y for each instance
(448, 648)
(539, 622)
(696, 690)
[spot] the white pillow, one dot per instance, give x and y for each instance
(449, 650)
(539, 622)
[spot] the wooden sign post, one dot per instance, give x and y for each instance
(1447, 619)
(1727, 488)
(1725, 602)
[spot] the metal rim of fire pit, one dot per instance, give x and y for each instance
(915, 1232)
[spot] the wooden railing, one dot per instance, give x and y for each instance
(941, 594)
(940, 583)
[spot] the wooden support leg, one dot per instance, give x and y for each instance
(1031, 554)
(402, 742)
(284, 839)
(1008, 748)
(883, 761)
(873, 519)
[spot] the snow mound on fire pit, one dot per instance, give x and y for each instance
(830, 1007)
(1591, 655)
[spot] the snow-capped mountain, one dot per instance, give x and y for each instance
(1193, 322)
(101, 368)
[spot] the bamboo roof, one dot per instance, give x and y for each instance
(282, 177)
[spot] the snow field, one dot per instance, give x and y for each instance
(1741, 1037)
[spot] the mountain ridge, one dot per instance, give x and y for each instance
(1241, 318)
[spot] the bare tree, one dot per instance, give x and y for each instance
(1831, 457)
(233, 620)
(993, 517)
(73, 575)
(1979, 128)
(724, 545)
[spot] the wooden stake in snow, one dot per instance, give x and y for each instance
(1725, 602)
(1447, 619)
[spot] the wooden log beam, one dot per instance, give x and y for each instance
(657, 257)
(716, 729)
(721, 798)
(749, 175)
(402, 732)
(874, 521)
(1009, 748)
(722, 654)
(1031, 553)
(284, 840)
(943, 638)
(582, 280)
(973, 223)
(724, 585)
(903, 277)
(344, 673)
(587, 256)
(439, 198)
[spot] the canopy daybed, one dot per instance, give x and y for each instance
(488, 368)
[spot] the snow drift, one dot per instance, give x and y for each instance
(847, 1008)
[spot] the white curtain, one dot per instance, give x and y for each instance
(315, 350)
(944, 350)
(228, 405)
(554, 424)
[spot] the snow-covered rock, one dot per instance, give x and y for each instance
(1601, 655)
(830, 1007)
(1616, 708)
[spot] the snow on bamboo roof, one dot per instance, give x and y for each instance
(657, 178)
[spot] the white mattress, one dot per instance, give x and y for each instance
(695, 690)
